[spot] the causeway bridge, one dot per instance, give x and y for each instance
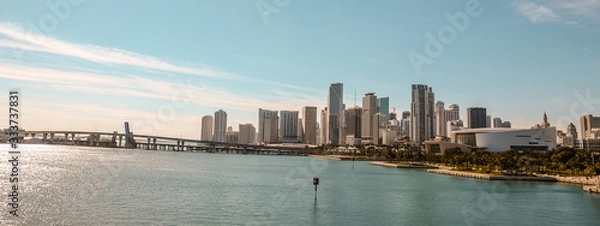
(149, 142)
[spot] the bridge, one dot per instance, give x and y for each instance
(148, 142)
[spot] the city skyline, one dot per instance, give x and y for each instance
(87, 72)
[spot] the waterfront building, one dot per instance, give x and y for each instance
(454, 125)
(288, 127)
(502, 139)
(268, 130)
(421, 113)
(207, 128)
(440, 145)
(590, 126)
(440, 119)
(220, 125)
(369, 131)
(353, 124)
(324, 127)
(247, 134)
(232, 137)
(335, 104)
(309, 125)
(476, 118)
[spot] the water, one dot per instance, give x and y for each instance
(91, 186)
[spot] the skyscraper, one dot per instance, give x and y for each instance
(324, 127)
(335, 104)
(309, 115)
(268, 122)
(247, 134)
(440, 119)
(288, 126)
(405, 115)
(476, 118)
(453, 113)
(421, 113)
(353, 123)
(383, 104)
(220, 125)
(588, 124)
(207, 128)
(369, 109)
(498, 123)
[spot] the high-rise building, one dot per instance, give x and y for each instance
(572, 131)
(268, 122)
(488, 121)
(498, 123)
(405, 127)
(335, 104)
(453, 113)
(247, 134)
(368, 134)
(476, 118)
(383, 104)
(405, 115)
(220, 125)
(352, 124)
(232, 136)
(405, 123)
(440, 119)
(207, 128)
(309, 121)
(324, 127)
(422, 113)
(590, 126)
(393, 116)
(300, 131)
(288, 126)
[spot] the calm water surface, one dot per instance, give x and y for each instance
(62, 185)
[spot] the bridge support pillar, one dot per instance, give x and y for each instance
(154, 144)
(52, 137)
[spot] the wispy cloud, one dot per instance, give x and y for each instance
(17, 37)
(569, 12)
(536, 13)
(103, 84)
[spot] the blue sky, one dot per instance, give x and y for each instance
(90, 65)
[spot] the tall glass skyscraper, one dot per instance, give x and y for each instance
(421, 113)
(383, 104)
(335, 106)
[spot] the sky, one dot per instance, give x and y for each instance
(161, 65)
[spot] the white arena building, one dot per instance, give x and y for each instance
(502, 139)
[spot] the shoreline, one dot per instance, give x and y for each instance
(406, 166)
(592, 189)
(493, 177)
(342, 157)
